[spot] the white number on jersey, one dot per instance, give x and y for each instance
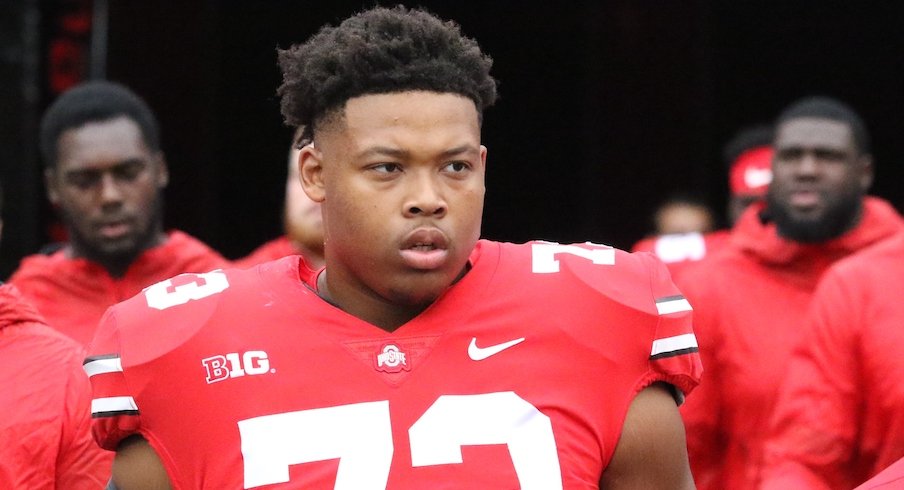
(360, 435)
(544, 255)
(184, 288)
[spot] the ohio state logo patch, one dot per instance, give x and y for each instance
(391, 359)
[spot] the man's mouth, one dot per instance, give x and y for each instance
(114, 229)
(425, 249)
(804, 199)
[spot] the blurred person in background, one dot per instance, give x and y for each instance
(839, 417)
(302, 222)
(751, 299)
(748, 157)
(105, 174)
(45, 399)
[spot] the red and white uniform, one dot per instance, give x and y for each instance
(840, 416)
(891, 478)
(680, 251)
(72, 294)
(45, 427)
(750, 305)
(519, 375)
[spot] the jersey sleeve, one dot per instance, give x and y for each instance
(674, 356)
(113, 410)
(815, 424)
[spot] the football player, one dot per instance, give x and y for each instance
(420, 356)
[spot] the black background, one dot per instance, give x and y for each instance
(606, 107)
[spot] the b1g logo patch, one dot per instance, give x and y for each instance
(391, 359)
(235, 365)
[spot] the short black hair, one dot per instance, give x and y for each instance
(747, 138)
(380, 51)
(822, 107)
(95, 101)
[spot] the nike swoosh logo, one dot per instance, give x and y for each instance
(479, 354)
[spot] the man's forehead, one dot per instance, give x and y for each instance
(814, 131)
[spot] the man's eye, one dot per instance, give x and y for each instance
(458, 166)
(129, 172)
(386, 168)
(83, 181)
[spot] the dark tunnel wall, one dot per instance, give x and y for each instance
(606, 107)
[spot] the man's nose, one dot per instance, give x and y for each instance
(426, 198)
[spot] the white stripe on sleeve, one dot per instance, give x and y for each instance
(672, 344)
(103, 366)
(113, 404)
(673, 305)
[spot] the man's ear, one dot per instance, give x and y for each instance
(310, 170)
(162, 171)
(866, 171)
(50, 185)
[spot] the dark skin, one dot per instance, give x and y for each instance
(427, 170)
(107, 185)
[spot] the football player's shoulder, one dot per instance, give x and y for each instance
(590, 268)
(166, 314)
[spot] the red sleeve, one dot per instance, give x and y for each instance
(815, 424)
(114, 412)
(702, 413)
(81, 463)
(674, 354)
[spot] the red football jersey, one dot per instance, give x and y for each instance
(891, 478)
(520, 375)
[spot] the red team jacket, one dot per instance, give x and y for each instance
(72, 294)
(519, 375)
(45, 401)
(840, 416)
(274, 249)
(750, 305)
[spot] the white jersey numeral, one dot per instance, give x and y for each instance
(544, 255)
(494, 418)
(360, 436)
(184, 288)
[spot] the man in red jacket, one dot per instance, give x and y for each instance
(302, 221)
(751, 300)
(105, 175)
(840, 414)
(748, 156)
(45, 399)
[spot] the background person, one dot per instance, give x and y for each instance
(302, 221)
(105, 174)
(45, 399)
(751, 299)
(839, 418)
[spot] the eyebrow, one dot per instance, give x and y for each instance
(402, 154)
(129, 162)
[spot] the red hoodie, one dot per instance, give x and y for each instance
(72, 294)
(45, 430)
(750, 303)
(840, 414)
